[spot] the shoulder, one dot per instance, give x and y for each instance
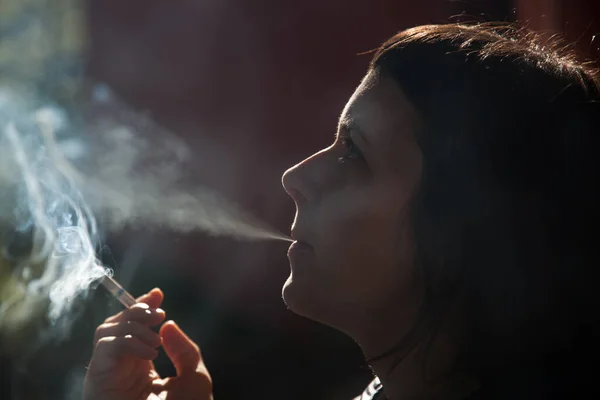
(372, 392)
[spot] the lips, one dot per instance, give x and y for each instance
(297, 250)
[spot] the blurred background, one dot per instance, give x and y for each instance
(252, 87)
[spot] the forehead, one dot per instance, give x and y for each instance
(378, 106)
(388, 122)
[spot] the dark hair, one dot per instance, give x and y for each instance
(507, 212)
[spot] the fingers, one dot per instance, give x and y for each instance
(110, 349)
(128, 334)
(153, 298)
(141, 313)
(183, 352)
(128, 328)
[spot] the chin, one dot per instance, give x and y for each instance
(299, 298)
(309, 301)
(313, 304)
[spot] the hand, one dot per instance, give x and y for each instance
(121, 367)
(193, 380)
(124, 347)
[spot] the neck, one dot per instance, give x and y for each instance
(424, 371)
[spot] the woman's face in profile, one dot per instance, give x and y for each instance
(352, 211)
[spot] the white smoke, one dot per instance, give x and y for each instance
(136, 180)
(75, 163)
(55, 180)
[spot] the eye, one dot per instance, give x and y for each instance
(352, 152)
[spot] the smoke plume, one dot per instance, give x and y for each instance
(62, 171)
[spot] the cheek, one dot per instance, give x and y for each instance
(364, 253)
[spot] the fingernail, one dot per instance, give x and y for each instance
(170, 322)
(159, 311)
(143, 305)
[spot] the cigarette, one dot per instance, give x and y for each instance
(118, 291)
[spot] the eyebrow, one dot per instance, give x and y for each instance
(350, 125)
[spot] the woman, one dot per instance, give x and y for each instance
(448, 229)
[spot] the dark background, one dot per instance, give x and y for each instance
(253, 87)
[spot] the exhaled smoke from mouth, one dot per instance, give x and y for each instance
(124, 195)
(55, 180)
(130, 179)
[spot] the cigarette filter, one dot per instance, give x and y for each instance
(118, 291)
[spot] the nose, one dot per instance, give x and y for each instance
(292, 184)
(307, 180)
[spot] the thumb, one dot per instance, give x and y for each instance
(183, 352)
